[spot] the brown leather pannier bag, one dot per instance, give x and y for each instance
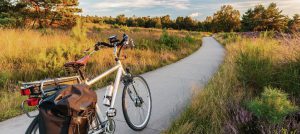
(68, 111)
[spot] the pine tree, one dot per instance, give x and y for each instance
(294, 24)
(273, 18)
(49, 12)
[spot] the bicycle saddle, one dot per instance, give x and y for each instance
(80, 62)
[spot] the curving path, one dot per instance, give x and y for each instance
(171, 87)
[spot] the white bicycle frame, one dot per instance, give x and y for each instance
(120, 72)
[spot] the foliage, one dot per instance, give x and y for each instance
(36, 13)
(226, 19)
(168, 41)
(294, 24)
(63, 14)
(262, 19)
(273, 105)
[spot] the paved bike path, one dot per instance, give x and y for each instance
(171, 88)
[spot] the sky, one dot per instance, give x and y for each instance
(198, 9)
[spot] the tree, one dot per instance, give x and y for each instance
(189, 23)
(258, 20)
(11, 15)
(273, 18)
(226, 19)
(248, 20)
(261, 19)
(131, 22)
(180, 23)
(294, 24)
(207, 24)
(121, 19)
(5, 13)
(166, 21)
(140, 22)
(46, 13)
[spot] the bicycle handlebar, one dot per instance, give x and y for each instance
(125, 38)
(116, 44)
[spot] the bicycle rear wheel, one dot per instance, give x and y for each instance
(137, 103)
(33, 127)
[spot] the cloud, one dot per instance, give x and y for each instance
(289, 7)
(106, 4)
(177, 7)
(196, 14)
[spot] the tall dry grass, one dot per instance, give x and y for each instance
(27, 55)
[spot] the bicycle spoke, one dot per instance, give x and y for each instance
(137, 116)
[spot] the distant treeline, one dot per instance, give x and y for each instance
(63, 14)
(227, 19)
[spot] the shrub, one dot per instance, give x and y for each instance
(168, 41)
(273, 105)
(188, 39)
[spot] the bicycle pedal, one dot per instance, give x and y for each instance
(111, 112)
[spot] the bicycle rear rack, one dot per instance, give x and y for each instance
(44, 84)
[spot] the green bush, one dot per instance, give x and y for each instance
(188, 39)
(169, 41)
(273, 105)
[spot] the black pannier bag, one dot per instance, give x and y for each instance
(69, 111)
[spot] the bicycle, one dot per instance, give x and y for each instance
(136, 93)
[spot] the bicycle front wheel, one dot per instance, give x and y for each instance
(137, 103)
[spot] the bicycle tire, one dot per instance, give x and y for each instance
(33, 125)
(124, 108)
